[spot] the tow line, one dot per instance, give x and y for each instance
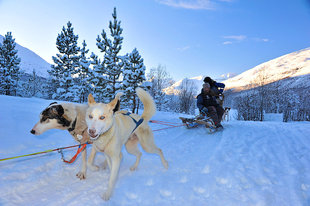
(83, 146)
(169, 124)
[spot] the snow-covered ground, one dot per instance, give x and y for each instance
(248, 163)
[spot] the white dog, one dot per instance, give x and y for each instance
(226, 114)
(110, 129)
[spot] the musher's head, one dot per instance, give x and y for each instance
(206, 87)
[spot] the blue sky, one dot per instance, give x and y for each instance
(188, 37)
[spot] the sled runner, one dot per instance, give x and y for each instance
(199, 120)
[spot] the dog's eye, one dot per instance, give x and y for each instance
(90, 116)
(101, 117)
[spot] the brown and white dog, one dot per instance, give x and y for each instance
(110, 129)
(66, 116)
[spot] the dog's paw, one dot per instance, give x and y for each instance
(133, 167)
(93, 167)
(166, 165)
(106, 196)
(81, 175)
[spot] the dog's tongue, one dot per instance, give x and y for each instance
(93, 136)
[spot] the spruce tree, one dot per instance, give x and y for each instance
(134, 75)
(112, 63)
(97, 78)
(9, 66)
(82, 86)
(66, 64)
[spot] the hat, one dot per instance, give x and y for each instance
(207, 80)
(206, 85)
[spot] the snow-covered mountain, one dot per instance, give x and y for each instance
(30, 61)
(226, 76)
(197, 81)
(292, 70)
(173, 89)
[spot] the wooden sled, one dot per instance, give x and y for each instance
(196, 121)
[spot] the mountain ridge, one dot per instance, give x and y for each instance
(293, 70)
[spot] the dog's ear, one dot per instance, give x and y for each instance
(56, 110)
(115, 103)
(91, 100)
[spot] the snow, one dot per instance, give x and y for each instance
(248, 163)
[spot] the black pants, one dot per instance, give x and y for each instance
(216, 113)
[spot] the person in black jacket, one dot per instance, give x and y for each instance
(217, 89)
(208, 105)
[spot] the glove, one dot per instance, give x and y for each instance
(205, 110)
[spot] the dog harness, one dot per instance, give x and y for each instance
(135, 121)
(73, 125)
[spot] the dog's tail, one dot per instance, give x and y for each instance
(148, 104)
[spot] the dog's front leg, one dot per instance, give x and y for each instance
(82, 174)
(90, 162)
(115, 160)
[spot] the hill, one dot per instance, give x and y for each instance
(31, 61)
(291, 70)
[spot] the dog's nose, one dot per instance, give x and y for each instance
(92, 131)
(32, 131)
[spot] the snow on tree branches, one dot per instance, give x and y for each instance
(9, 66)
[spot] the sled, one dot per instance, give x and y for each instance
(199, 120)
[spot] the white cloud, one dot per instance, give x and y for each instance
(239, 38)
(182, 49)
(227, 42)
(261, 39)
(189, 4)
(236, 38)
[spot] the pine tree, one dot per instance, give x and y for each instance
(81, 88)
(134, 75)
(9, 66)
(66, 64)
(97, 78)
(86, 73)
(112, 63)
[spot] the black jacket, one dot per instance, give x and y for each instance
(206, 100)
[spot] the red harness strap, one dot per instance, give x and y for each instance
(80, 149)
